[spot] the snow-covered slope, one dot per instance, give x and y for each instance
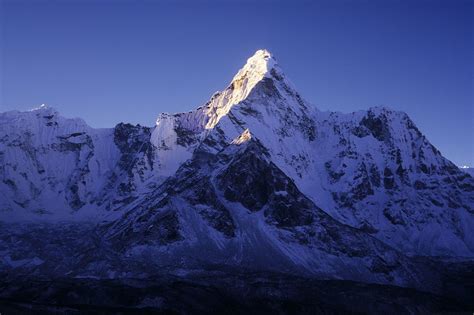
(257, 178)
(467, 169)
(53, 168)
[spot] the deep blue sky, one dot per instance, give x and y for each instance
(112, 61)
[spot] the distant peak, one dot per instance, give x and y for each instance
(41, 107)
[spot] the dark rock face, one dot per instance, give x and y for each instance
(185, 137)
(307, 127)
(377, 126)
(267, 86)
(374, 175)
(258, 184)
(219, 218)
(199, 192)
(361, 184)
(362, 187)
(290, 210)
(388, 180)
(136, 158)
(247, 181)
(82, 146)
(360, 131)
(132, 140)
(394, 216)
(164, 229)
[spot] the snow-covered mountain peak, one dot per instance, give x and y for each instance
(43, 108)
(260, 77)
(257, 67)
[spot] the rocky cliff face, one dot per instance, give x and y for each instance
(256, 178)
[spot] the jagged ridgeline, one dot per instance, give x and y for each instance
(256, 179)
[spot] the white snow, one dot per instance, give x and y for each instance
(244, 137)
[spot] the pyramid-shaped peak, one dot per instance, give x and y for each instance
(257, 72)
(257, 67)
(261, 55)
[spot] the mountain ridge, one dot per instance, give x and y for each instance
(255, 173)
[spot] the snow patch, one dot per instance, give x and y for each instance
(244, 137)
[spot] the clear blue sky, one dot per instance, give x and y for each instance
(111, 61)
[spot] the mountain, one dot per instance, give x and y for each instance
(467, 169)
(256, 179)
